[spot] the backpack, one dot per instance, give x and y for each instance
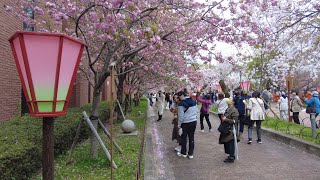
(265, 96)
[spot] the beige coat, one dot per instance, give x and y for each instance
(296, 104)
(257, 109)
(231, 115)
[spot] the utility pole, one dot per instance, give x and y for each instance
(289, 86)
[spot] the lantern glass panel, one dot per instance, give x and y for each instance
(59, 106)
(45, 106)
(42, 54)
(18, 51)
(68, 62)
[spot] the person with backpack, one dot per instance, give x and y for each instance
(204, 111)
(313, 102)
(187, 116)
(267, 97)
(240, 106)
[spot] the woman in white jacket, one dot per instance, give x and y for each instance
(160, 104)
(222, 105)
(257, 115)
(283, 106)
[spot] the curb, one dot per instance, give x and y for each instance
(289, 140)
(149, 167)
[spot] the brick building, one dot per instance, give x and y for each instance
(12, 102)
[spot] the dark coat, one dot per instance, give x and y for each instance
(231, 115)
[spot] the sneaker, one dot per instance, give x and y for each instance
(249, 141)
(259, 141)
(228, 160)
(178, 149)
(190, 157)
(179, 154)
(201, 130)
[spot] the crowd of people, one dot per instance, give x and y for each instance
(234, 113)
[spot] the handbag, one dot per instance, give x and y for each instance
(310, 110)
(247, 120)
(225, 128)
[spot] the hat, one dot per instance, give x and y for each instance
(315, 93)
(229, 101)
(181, 93)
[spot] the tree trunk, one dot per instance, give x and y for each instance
(94, 119)
(224, 88)
(121, 79)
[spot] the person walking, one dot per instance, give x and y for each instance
(175, 131)
(296, 107)
(240, 106)
(229, 119)
(283, 106)
(257, 115)
(267, 97)
(222, 105)
(313, 102)
(150, 99)
(204, 111)
(187, 115)
(160, 104)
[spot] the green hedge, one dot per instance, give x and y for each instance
(21, 141)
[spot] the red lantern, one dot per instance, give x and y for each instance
(245, 85)
(218, 86)
(47, 65)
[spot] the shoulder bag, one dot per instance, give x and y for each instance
(225, 128)
(310, 110)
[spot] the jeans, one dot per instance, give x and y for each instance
(296, 117)
(258, 124)
(188, 130)
(241, 119)
(316, 121)
(284, 114)
(207, 119)
(229, 148)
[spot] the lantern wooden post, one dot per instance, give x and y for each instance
(48, 148)
(289, 86)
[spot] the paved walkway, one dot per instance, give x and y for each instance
(270, 160)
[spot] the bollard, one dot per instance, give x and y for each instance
(313, 124)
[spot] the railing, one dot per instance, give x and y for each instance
(290, 128)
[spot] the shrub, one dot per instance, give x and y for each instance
(21, 141)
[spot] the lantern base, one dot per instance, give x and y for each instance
(48, 114)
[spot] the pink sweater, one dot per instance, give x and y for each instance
(205, 104)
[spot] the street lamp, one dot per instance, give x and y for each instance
(245, 85)
(47, 65)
